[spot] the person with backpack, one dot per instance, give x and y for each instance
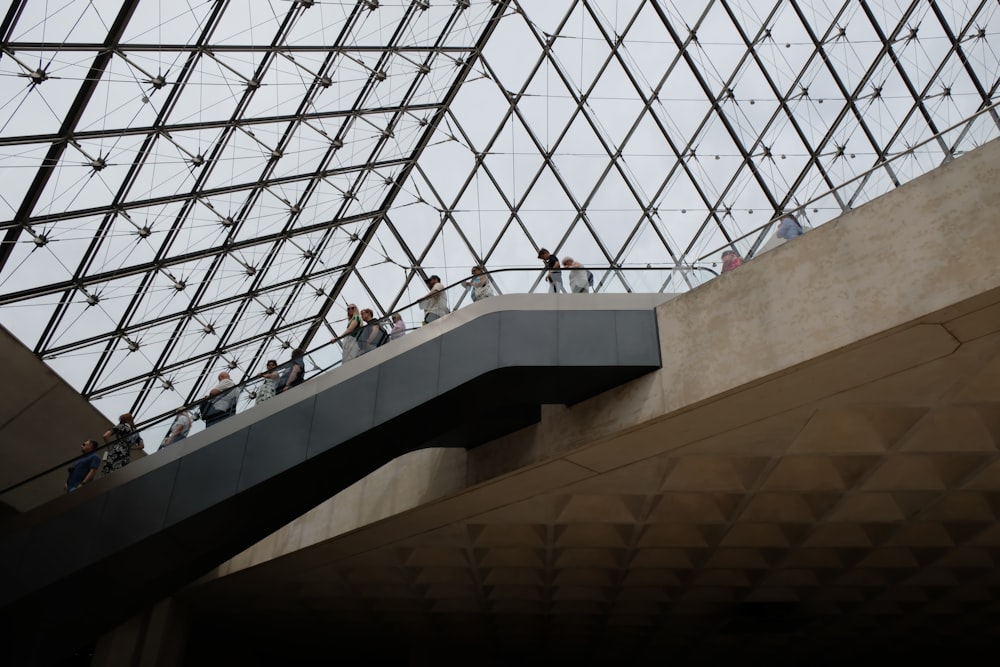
(221, 400)
(372, 333)
(580, 279)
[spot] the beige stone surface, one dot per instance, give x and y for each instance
(824, 432)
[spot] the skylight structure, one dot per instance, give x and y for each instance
(193, 186)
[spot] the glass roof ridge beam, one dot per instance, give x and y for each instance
(646, 112)
(369, 233)
(96, 278)
(209, 25)
(73, 115)
(139, 47)
(248, 186)
(716, 108)
(513, 111)
(956, 42)
(782, 108)
(11, 18)
(363, 169)
(202, 308)
(918, 99)
(320, 81)
(213, 354)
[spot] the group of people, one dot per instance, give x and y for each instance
(580, 279)
(221, 402)
(123, 438)
(362, 334)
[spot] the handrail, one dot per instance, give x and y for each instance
(615, 269)
(145, 425)
(801, 208)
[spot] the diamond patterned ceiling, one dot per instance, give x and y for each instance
(204, 184)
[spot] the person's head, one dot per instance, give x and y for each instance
(367, 314)
(478, 270)
(298, 353)
(224, 375)
(352, 310)
(433, 280)
(88, 446)
(543, 254)
(396, 317)
(126, 418)
(729, 255)
(568, 261)
(271, 364)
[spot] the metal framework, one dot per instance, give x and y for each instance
(198, 185)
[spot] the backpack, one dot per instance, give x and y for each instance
(382, 337)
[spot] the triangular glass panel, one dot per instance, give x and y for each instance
(513, 160)
(647, 158)
(442, 162)
(482, 213)
(682, 106)
(581, 159)
(511, 68)
(613, 97)
(612, 211)
(581, 51)
(477, 111)
(547, 106)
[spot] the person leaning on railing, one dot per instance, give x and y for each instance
(123, 438)
(349, 339)
(730, 260)
(269, 384)
(789, 227)
(221, 400)
(296, 373)
(435, 304)
(84, 468)
(179, 428)
(398, 327)
(553, 275)
(479, 284)
(579, 277)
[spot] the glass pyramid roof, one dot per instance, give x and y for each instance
(203, 184)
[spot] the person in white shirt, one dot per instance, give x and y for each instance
(435, 304)
(398, 327)
(577, 275)
(221, 401)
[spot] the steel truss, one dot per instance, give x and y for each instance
(173, 205)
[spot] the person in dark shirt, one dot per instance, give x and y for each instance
(83, 469)
(553, 275)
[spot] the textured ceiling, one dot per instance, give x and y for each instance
(195, 185)
(864, 523)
